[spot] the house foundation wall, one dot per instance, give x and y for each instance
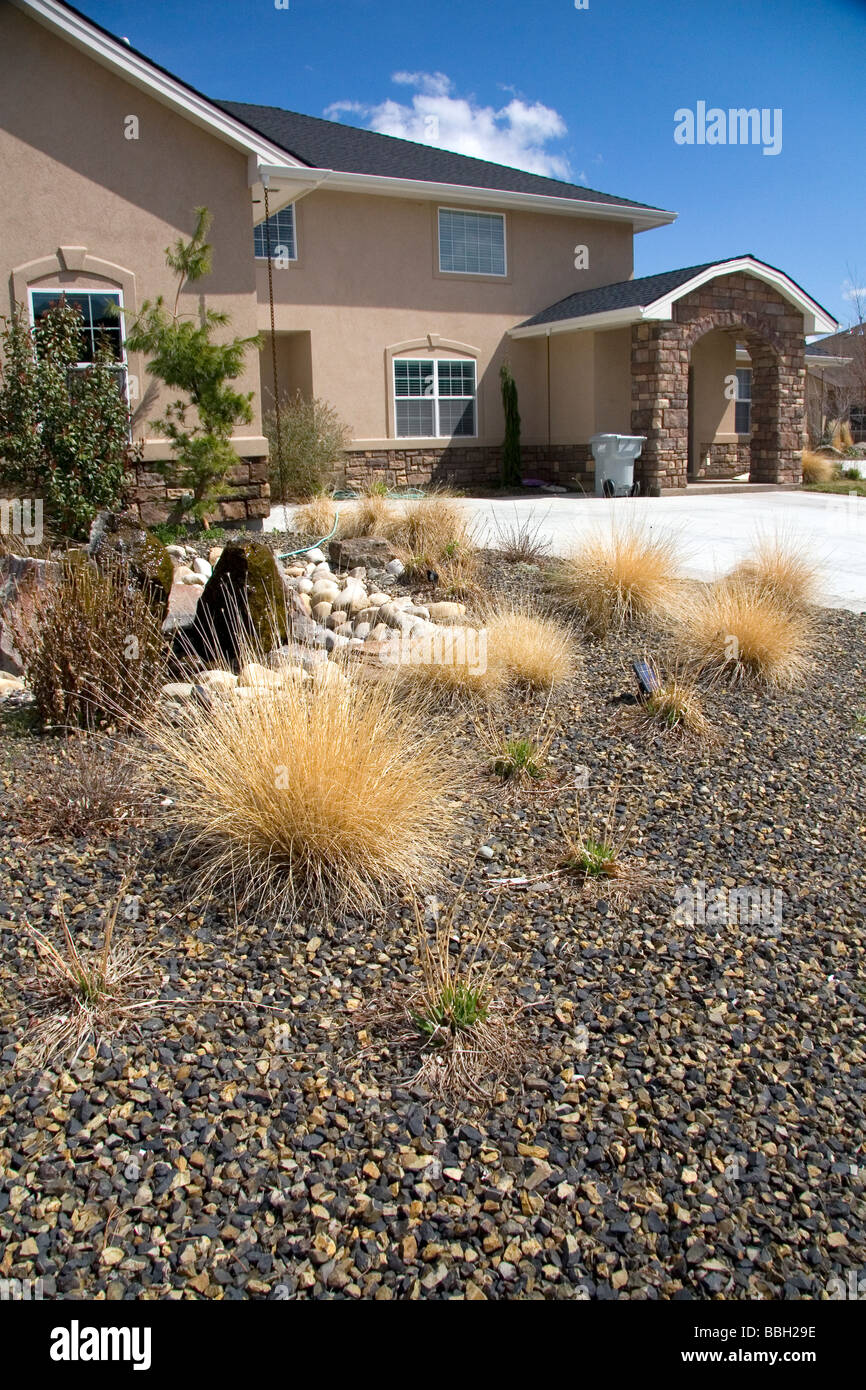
(244, 501)
(568, 465)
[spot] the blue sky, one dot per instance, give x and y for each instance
(587, 94)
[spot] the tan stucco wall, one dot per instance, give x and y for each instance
(714, 357)
(367, 279)
(70, 178)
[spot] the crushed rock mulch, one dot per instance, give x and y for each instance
(688, 1122)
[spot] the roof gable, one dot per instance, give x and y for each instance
(653, 297)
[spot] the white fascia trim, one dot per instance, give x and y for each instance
(452, 193)
(823, 359)
(142, 74)
(812, 313)
(609, 318)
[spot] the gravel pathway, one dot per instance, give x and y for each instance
(689, 1122)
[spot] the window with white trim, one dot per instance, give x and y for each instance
(471, 243)
(101, 325)
(281, 226)
(743, 407)
(434, 398)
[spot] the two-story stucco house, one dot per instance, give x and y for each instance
(390, 279)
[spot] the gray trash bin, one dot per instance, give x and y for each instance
(614, 456)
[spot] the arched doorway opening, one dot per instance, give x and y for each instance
(733, 402)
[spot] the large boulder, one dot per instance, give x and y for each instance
(372, 552)
(245, 599)
(20, 577)
(115, 535)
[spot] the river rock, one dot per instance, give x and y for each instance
(371, 552)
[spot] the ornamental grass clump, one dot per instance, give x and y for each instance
(783, 565)
(372, 514)
(817, 468)
(736, 630)
(618, 575)
(450, 664)
(328, 794)
(674, 705)
(316, 517)
(537, 650)
(597, 854)
(519, 759)
(91, 646)
(81, 995)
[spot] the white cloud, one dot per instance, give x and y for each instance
(851, 291)
(516, 134)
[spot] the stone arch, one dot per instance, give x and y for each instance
(661, 349)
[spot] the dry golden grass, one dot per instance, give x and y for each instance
(619, 574)
(817, 468)
(372, 514)
(536, 650)
(81, 996)
(454, 662)
(316, 517)
(433, 527)
(782, 564)
(736, 629)
(675, 706)
(327, 793)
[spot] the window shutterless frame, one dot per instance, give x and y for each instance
(743, 403)
(55, 292)
(283, 229)
(447, 220)
(435, 398)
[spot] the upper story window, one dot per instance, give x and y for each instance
(281, 226)
(434, 399)
(743, 407)
(471, 243)
(101, 325)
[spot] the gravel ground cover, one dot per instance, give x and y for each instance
(688, 1121)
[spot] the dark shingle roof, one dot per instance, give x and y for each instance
(625, 294)
(330, 145)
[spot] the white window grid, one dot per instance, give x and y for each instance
(435, 398)
(283, 239)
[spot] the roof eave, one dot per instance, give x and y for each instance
(640, 218)
(607, 318)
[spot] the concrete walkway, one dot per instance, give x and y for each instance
(714, 531)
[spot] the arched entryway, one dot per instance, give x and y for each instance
(733, 401)
(737, 308)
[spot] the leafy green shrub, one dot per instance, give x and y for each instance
(64, 430)
(305, 445)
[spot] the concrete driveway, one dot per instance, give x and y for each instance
(714, 531)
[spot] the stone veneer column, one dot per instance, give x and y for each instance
(660, 403)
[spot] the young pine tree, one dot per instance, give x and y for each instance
(184, 355)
